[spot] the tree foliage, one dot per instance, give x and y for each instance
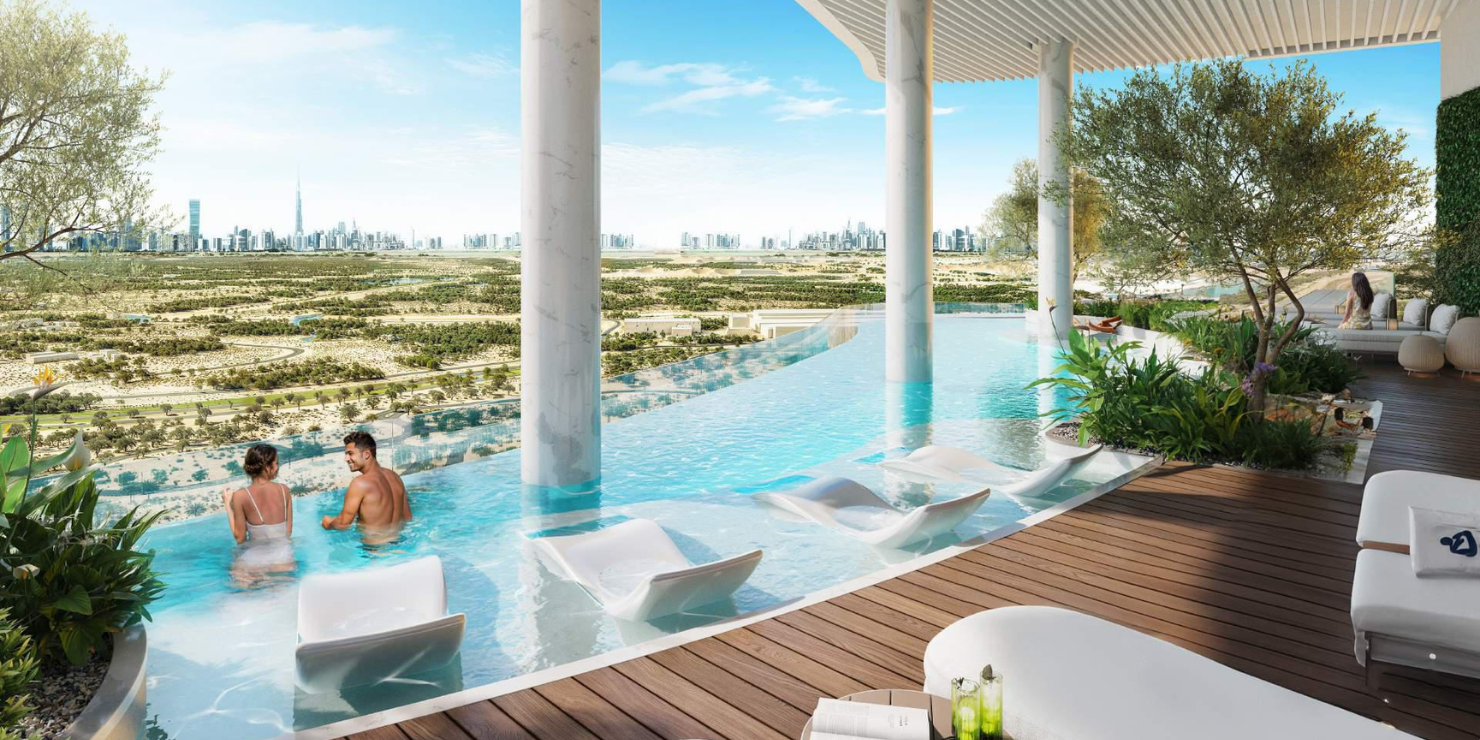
(1012, 221)
(1217, 170)
(76, 132)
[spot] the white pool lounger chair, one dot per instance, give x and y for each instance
(935, 463)
(1071, 675)
(636, 572)
(852, 508)
(367, 626)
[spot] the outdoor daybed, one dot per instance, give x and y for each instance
(1070, 675)
(1399, 618)
(1381, 340)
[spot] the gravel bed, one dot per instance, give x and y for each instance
(59, 695)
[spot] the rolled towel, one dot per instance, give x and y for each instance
(1443, 543)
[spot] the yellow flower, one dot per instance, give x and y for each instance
(47, 377)
(46, 381)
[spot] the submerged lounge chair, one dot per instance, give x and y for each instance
(636, 572)
(935, 463)
(367, 626)
(1071, 675)
(1399, 618)
(852, 508)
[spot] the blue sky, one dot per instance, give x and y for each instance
(718, 115)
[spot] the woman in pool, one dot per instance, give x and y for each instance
(264, 509)
(1358, 304)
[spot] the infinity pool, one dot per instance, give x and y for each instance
(221, 644)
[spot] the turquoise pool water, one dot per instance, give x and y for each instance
(221, 644)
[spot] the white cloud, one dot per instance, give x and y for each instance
(937, 110)
(485, 66)
(695, 73)
(801, 109)
(711, 83)
(278, 42)
(809, 85)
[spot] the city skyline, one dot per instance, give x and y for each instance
(408, 117)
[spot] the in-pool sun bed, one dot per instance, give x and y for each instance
(941, 463)
(852, 508)
(368, 626)
(636, 572)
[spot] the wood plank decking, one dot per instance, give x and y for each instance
(1250, 569)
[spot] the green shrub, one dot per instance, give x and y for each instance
(1144, 314)
(1306, 365)
(17, 672)
(70, 582)
(1149, 404)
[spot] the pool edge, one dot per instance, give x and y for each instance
(519, 683)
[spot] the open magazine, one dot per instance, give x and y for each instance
(848, 720)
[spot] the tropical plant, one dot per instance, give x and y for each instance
(1150, 404)
(1218, 170)
(68, 581)
(18, 669)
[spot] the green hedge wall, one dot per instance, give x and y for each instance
(1457, 181)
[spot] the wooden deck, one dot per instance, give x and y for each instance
(1249, 569)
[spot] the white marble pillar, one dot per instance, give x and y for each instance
(560, 214)
(1055, 220)
(1459, 50)
(909, 306)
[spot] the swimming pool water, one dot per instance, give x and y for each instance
(222, 640)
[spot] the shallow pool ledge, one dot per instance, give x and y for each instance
(1134, 465)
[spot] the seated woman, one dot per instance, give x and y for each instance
(1358, 304)
(264, 509)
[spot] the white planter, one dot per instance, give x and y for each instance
(116, 711)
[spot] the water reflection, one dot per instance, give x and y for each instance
(908, 410)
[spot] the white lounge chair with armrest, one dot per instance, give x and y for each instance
(370, 625)
(1399, 618)
(852, 508)
(636, 572)
(934, 463)
(1071, 675)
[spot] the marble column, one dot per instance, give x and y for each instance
(908, 75)
(1055, 220)
(560, 214)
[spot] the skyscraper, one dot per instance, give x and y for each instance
(298, 197)
(194, 224)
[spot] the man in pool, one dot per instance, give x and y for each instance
(377, 498)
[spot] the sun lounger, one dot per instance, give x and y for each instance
(1070, 675)
(370, 625)
(935, 463)
(1399, 618)
(636, 572)
(850, 507)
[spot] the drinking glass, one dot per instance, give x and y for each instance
(989, 715)
(966, 709)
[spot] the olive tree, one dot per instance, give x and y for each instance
(76, 132)
(1012, 220)
(1217, 170)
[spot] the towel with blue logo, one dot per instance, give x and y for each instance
(1444, 543)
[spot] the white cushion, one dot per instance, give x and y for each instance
(1069, 675)
(1388, 495)
(1381, 303)
(1416, 312)
(1443, 319)
(1387, 599)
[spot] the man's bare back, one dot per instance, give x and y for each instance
(377, 498)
